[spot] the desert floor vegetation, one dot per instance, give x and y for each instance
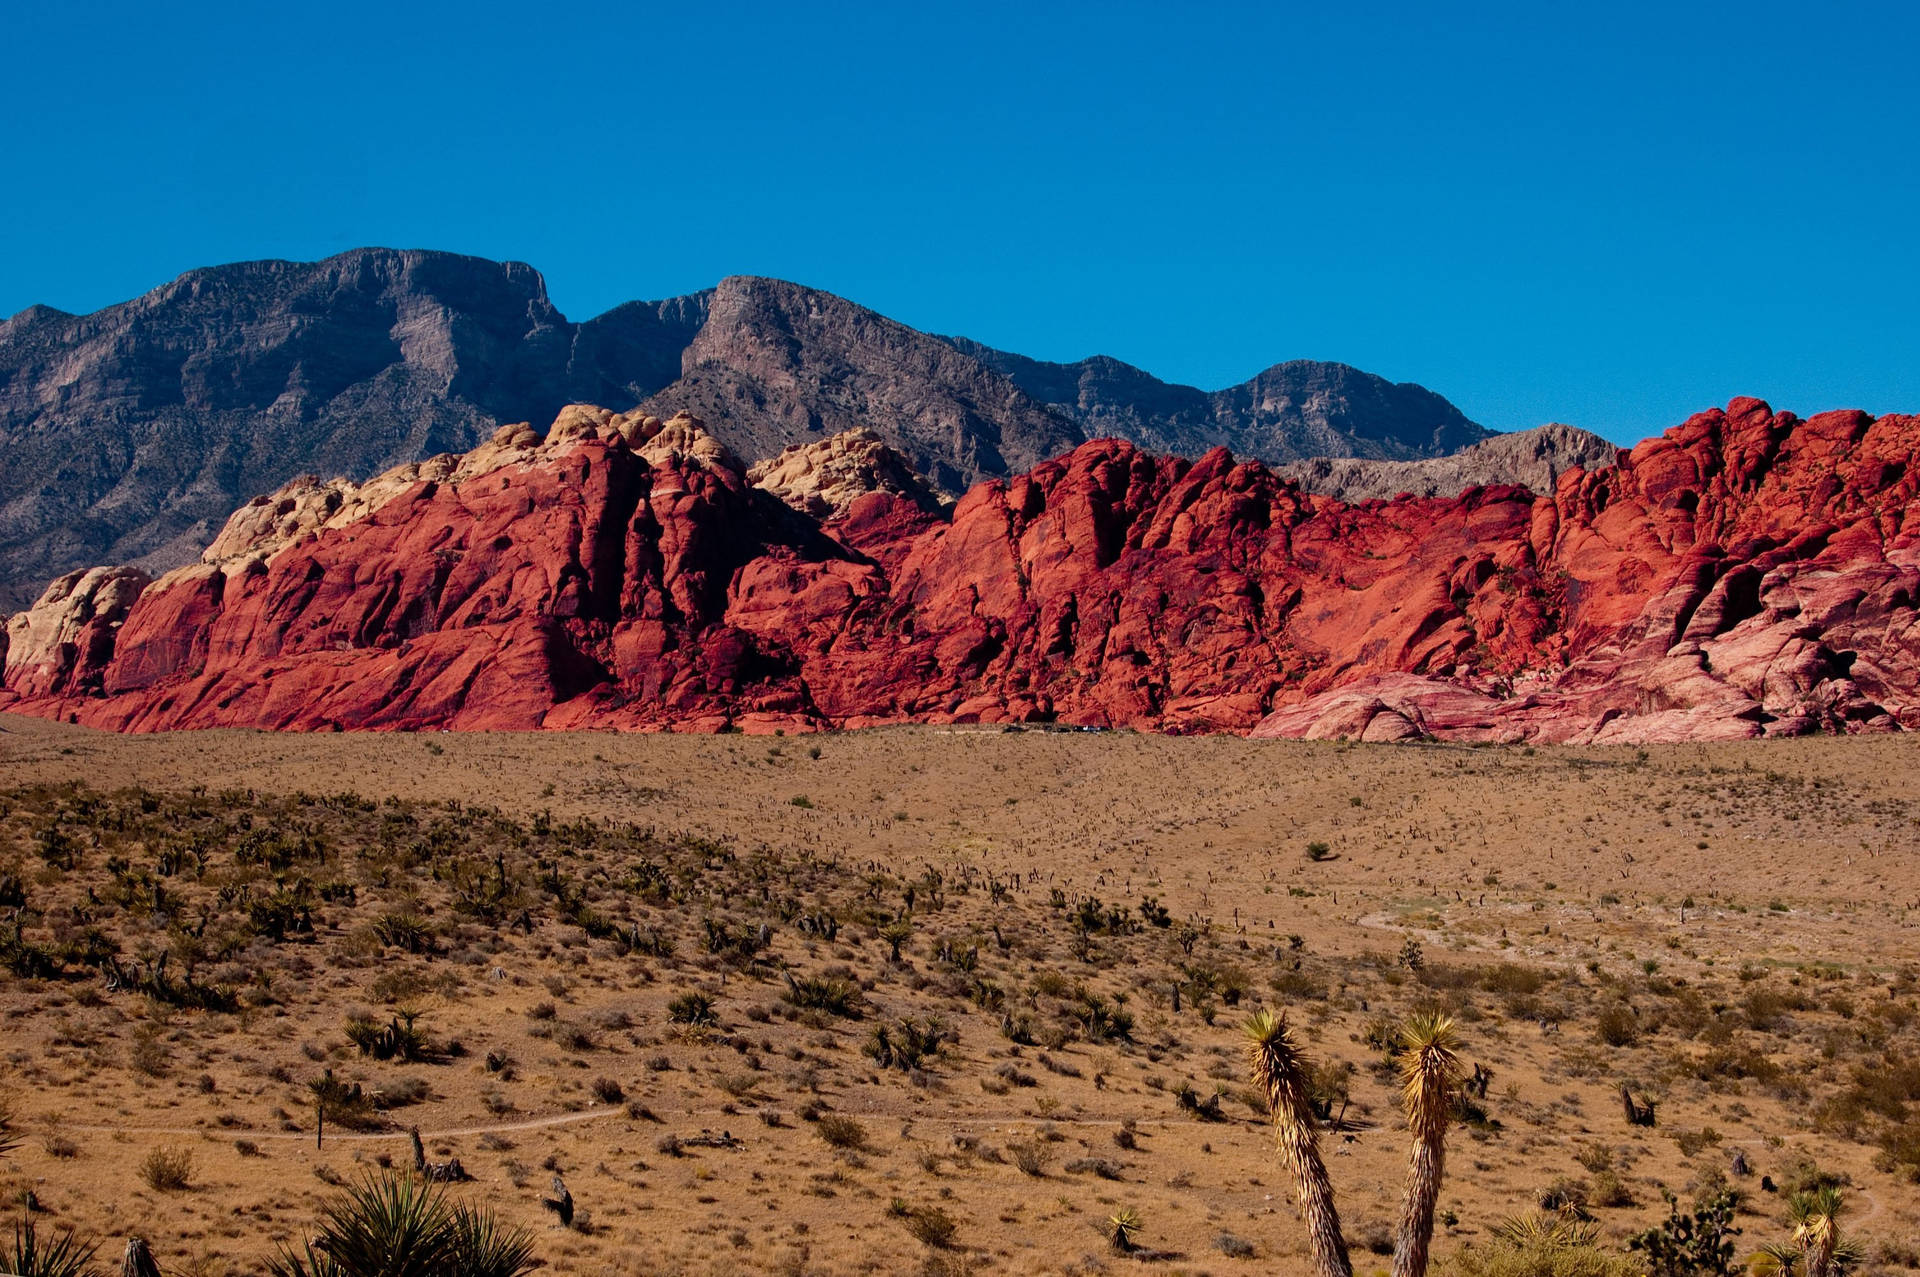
(979, 1005)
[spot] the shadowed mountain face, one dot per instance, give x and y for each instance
(777, 364)
(129, 435)
(1290, 412)
(132, 433)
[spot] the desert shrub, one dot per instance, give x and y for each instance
(1373, 1235)
(401, 1092)
(1763, 1008)
(841, 1131)
(1103, 1167)
(1233, 1247)
(608, 1091)
(338, 1104)
(1031, 1156)
(1051, 984)
(167, 1170)
(149, 1053)
(1808, 1176)
(1610, 1192)
(1616, 1025)
(1724, 1064)
(928, 1224)
(1900, 1151)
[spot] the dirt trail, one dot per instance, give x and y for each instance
(400, 1133)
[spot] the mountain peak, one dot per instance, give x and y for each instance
(132, 432)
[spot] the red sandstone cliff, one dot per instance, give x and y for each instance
(1747, 573)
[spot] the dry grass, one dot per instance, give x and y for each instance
(612, 958)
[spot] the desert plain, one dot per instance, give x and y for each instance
(944, 1000)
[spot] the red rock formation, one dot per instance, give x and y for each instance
(1747, 573)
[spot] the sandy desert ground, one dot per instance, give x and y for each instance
(1726, 929)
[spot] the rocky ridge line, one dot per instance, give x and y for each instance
(1748, 573)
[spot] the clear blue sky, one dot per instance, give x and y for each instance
(1605, 214)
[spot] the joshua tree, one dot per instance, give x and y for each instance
(896, 933)
(1283, 1076)
(1430, 1076)
(138, 1260)
(1815, 1215)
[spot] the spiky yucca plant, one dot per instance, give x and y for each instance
(482, 1246)
(35, 1256)
(1787, 1259)
(1547, 1232)
(1775, 1259)
(1282, 1074)
(1430, 1088)
(393, 1225)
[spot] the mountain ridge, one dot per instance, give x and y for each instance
(1288, 411)
(1746, 574)
(131, 432)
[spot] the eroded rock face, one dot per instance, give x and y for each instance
(824, 479)
(1529, 458)
(1748, 573)
(58, 646)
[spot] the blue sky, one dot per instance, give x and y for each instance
(1607, 215)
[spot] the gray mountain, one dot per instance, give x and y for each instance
(1299, 409)
(776, 364)
(1526, 458)
(128, 435)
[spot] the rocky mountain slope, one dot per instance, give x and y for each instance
(1748, 573)
(1295, 410)
(129, 435)
(777, 364)
(132, 433)
(1528, 458)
